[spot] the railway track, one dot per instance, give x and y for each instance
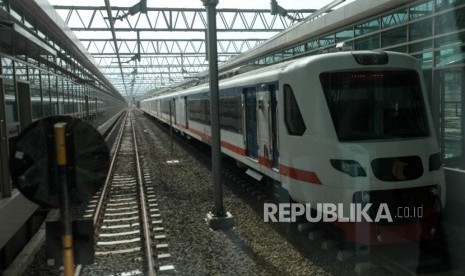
(129, 234)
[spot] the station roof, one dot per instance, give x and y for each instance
(146, 46)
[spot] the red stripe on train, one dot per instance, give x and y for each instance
(307, 176)
(298, 174)
(265, 162)
(226, 145)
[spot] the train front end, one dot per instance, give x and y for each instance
(371, 145)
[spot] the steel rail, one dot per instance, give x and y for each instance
(103, 194)
(143, 208)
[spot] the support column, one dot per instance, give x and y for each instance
(218, 218)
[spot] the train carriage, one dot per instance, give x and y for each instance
(341, 128)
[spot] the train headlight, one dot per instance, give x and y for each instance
(350, 167)
(435, 162)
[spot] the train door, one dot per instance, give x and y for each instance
(157, 107)
(181, 111)
(274, 125)
(5, 188)
(24, 104)
(173, 110)
(250, 102)
(266, 122)
(186, 114)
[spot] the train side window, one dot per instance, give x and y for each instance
(206, 108)
(292, 116)
(230, 111)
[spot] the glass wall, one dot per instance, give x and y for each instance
(11, 109)
(36, 95)
(452, 83)
(46, 95)
(51, 94)
(55, 79)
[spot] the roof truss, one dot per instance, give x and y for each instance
(148, 51)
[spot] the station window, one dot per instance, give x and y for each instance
(394, 19)
(444, 4)
(344, 35)
(421, 29)
(450, 21)
(300, 49)
(293, 118)
(21, 71)
(328, 40)
(394, 36)
(368, 43)
(367, 27)
(46, 95)
(312, 45)
(421, 10)
(288, 53)
(36, 97)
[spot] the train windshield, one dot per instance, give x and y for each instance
(371, 105)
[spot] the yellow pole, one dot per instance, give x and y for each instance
(60, 143)
(68, 257)
(67, 236)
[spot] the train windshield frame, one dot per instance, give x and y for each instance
(376, 105)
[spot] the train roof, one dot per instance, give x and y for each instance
(270, 73)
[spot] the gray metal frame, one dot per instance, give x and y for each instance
(138, 58)
(5, 186)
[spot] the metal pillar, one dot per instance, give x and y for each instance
(218, 218)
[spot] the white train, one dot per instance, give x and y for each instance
(345, 127)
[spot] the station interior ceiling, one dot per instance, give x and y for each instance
(143, 48)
